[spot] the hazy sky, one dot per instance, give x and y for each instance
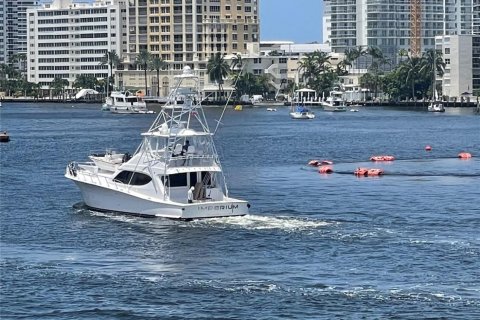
(293, 20)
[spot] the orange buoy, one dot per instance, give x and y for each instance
(325, 169)
(428, 148)
(464, 155)
(382, 158)
(361, 172)
(375, 172)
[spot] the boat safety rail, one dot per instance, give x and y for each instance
(89, 174)
(192, 160)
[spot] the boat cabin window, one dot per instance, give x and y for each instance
(193, 178)
(176, 180)
(133, 178)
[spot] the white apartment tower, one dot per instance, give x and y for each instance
(386, 23)
(13, 27)
(67, 39)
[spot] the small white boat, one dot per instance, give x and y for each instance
(4, 137)
(353, 110)
(174, 173)
(301, 112)
(334, 102)
(436, 106)
(125, 102)
(271, 109)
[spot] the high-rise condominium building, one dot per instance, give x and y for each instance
(386, 23)
(188, 32)
(67, 39)
(13, 27)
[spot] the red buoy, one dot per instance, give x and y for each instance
(428, 148)
(325, 169)
(382, 158)
(464, 155)
(314, 163)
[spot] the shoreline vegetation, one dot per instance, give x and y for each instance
(409, 104)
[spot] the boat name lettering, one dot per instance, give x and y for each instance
(219, 207)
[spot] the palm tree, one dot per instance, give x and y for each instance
(308, 67)
(158, 64)
(86, 81)
(432, 64)
(411, 67)
(111, 59)
(144, 59)
(217, 69)
(58, 84)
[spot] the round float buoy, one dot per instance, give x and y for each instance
(428, 148)
(382, 158)
(464, 155)
(361, 172)
(375, 172)
(313, 163)
(325, 169)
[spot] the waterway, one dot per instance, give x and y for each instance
(402, 246)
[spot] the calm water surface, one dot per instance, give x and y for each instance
(402, 246)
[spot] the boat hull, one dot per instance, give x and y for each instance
(303, 115)
(100, 198)
(334, 108)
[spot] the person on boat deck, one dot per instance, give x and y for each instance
(190, 194)
(185, 148)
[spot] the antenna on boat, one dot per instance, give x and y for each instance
(226, 103)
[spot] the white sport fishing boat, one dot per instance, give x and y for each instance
(334, 102)
(175, 172)
(125, 102)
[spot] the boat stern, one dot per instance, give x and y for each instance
(215, 209)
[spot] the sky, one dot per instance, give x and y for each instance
(299, 21)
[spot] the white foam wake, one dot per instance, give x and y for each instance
(255, 222)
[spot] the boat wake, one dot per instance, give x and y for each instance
(249, 222)
(255, 222)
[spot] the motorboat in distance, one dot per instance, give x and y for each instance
(301, 112)
(335, 102)
(125, 102)
(174, 173)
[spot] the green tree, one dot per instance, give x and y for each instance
(158, 64)
(218, 70)
(411, 69)
(111, 59)
(144, 59)
(86, 81)
(432, 65)
(58, 85)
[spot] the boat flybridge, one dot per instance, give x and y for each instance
(174, 173)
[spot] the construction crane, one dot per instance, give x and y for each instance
(415, 27)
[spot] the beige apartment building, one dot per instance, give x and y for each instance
(186, 33)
